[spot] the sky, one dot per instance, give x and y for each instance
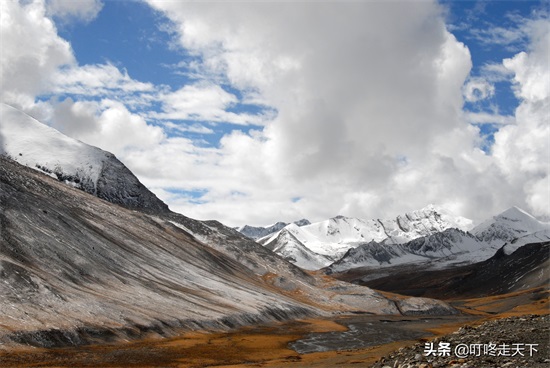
(253, 112)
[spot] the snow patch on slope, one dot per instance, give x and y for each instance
(40, 147)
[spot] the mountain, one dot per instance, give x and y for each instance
(77, 268)
(257, 232)
(436, 250)
(85, 167)
(324, 242)
(525, 268)
(512, 229)
(292, 250)
(511, 224)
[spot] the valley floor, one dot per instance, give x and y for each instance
(268, 346)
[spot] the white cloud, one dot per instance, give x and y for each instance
(366, 126)
(369, 100)
(350, 104)
(69, 10)
(107, 124)
(95, 80)
(488, 118)
(191, 128)
(205, 102)
(522, 151)
(477, 89)
(31, 51)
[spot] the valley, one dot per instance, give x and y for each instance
(270, 345)
(96, 270)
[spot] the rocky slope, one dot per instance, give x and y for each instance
(75, 268)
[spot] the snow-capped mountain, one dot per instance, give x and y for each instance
(291, 249)
(509, 230)
(324, 242)
(511, 224)
(257, 232)
(85, 167)
(448, 245)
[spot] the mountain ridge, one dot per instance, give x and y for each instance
(508, 231)
(327, 241)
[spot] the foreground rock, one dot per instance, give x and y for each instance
(508, 342)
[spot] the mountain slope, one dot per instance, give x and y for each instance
(437, 250)
(513, 227)
(526, 268)
(77, 269)
(85, 167)
(81, 262)
(509, 225)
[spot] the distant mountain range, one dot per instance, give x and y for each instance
(432, 236)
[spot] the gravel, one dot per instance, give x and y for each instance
(504, 343)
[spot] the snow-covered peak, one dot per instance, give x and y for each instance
(332, 238)
(436, 216)
(38, 146)
(516, 214)
(509, 225)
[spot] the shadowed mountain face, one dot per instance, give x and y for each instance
(527, 267)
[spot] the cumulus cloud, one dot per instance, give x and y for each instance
(205, 102)
(369, 111)
(31, 51)
(522, 151)
(366, 125)
(107, 124)
(352, 106)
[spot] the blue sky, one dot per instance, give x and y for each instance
(255, 112)
(136, 38)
